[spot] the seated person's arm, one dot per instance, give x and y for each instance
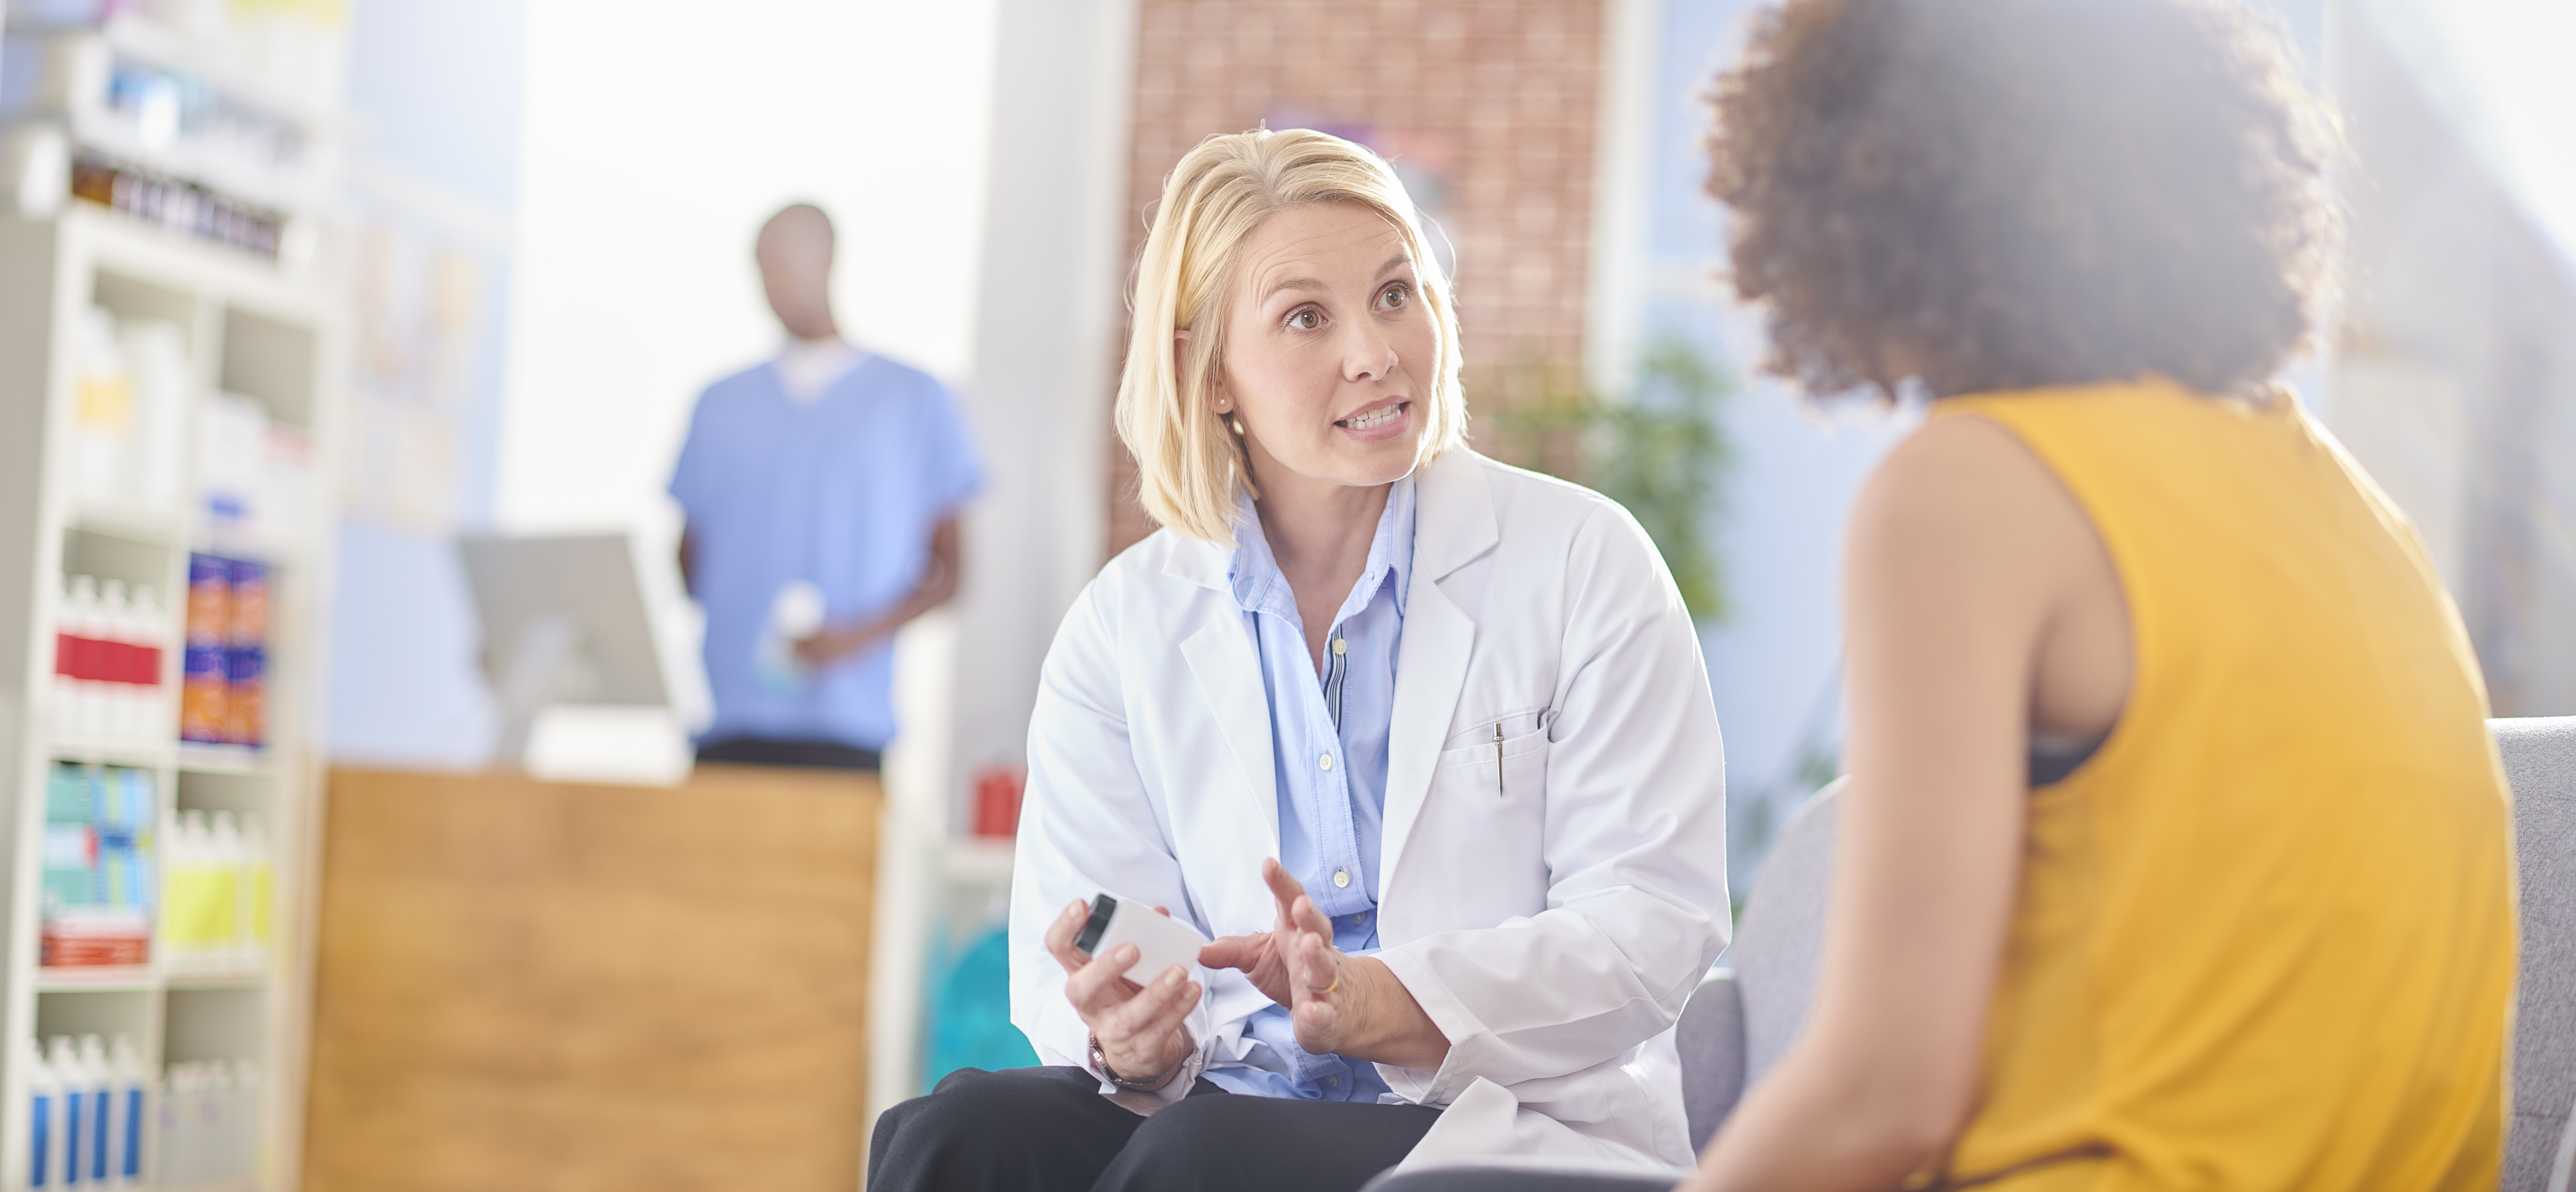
(1089, 825)
(1955, 548)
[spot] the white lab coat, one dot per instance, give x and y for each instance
(1550, 910)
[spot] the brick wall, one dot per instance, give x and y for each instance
(1487, 107)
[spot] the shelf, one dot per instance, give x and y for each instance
(139, 757)
(267, 549)
(145, 40)
(132, 521)
(149, 252)
(978, 860)
(121, 979)
(249, 185)
(214, 978)
(268, 330)
(239, 761)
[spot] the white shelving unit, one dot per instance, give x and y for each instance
(251, 329)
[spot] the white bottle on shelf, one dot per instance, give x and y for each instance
(44, 1116)
(74, 1086)
(77, 699)
(102, 409)
(177, 1125)
(227, 853)
(129, 1081)
(258, 890)
(156, 356)
(151, 627)
(187, 884)
(119, 715)
(98, 1113)
(240, 1095)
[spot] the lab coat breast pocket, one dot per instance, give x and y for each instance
(1500, 787)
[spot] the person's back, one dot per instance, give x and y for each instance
(2173, 854)
(2264, 933)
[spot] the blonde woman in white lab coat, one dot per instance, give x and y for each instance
(1421, 741)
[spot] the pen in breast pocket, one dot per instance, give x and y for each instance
(1498, 760)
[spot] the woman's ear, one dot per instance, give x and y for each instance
(1218, 399)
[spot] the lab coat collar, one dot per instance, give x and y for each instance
(1453, 526)
(1453, 515)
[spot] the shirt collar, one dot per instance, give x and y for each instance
(808, 368)
(1259, 585)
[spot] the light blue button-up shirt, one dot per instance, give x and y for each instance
(1328, 741)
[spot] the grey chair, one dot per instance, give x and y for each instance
(1742, 1019)
(2540, 762)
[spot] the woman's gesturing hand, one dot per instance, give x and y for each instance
(1263, 956)
(1138, 1027)
(1340, 1005)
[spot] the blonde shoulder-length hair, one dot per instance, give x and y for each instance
(1190, 466)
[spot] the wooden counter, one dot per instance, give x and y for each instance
(538, 986)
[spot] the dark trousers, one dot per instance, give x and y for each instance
(766, 751)
(1471, 1180)
(1050, 1130)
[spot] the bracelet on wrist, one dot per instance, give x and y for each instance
(1100, 1060)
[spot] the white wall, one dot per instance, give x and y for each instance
(658, 135)
(1046, 349)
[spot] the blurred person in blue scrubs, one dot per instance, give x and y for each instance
(821, 492)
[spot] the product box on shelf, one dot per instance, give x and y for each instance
(99, 882)
(255, 477)
(246, 656)
(223, 699)
(206, 661)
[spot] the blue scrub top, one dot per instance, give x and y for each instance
(842, 492)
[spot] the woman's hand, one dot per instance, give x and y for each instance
(1263, 956)
(1340, 1005)
(1139, 1027)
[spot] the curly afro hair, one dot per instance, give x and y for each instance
(2011, 194)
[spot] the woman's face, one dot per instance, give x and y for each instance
(1329, 349)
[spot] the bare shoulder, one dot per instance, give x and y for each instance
(1966, 482)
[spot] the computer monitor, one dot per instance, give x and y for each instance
(565, 623)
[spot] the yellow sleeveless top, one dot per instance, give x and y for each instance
(2264, 937)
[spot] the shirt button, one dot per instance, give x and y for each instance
(1341, 877)
(1340, 646)
(1327, 763)
(1360, 919)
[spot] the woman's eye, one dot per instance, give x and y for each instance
(1394, 297)
(1306, 320)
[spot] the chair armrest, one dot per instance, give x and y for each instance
(2562, 1171)
(1710, 1039)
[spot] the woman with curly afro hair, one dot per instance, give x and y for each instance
(2173, 852)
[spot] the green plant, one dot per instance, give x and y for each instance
(1660, 451)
